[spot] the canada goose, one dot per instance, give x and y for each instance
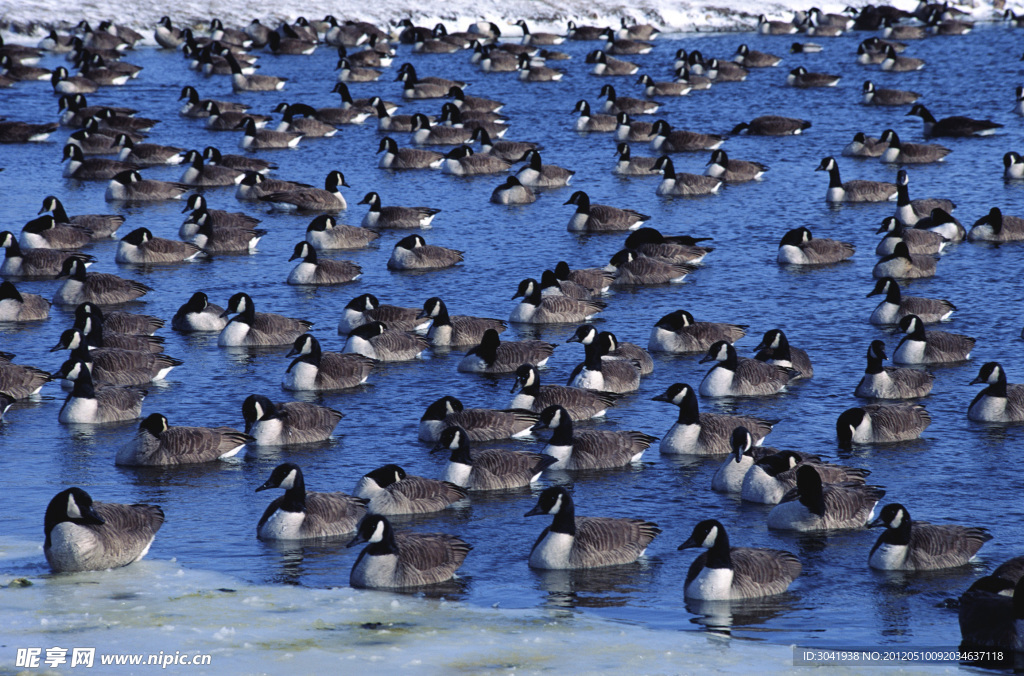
(744, 452)
(575, 32)
(492, 355)
(627, 165)
(634, 355)
(692, 80)
(1013, 166)
(92, 168)
(16, 306)
(910, 545)
(325, 233)
(725, 71)
(696, 433)
(219, 119)
(814, 507)
(588, 121)
(530, 71)
(918, 241)
(478, 424)
(147, 154)
(252, 83)
(112, 366)
(766, 27)
(725, 573)
(891, 382)
(99, 225)
(930, 347)
(129, 186)
(621, 46)
(308, 125)
(538, 38)
(623, 104)
(140, 247)
(413, 253)
(85, 535)
(585, 542)
(225, 239)
(290, 422)
(799, 247)
(406, 158)
(677, 332)
(351, 111)
(167, 35)
(495, 58)
(910, 153)
(592, 449)
(89, 331)
(652, 88)
(863, 145)
(596, 280)
(241, 162)
(289, 45)
(251, 328)
(255, 138)
(734, 376)
(208, 175)
(300, 515)
(535, 174)
(34, 263)
(901, 264)
(733, 171)
(255, 186)
(998, 402)
(512, 192)
(200, 108)
(198, 315)
(461, 161)
(635, 31)
(20, 381)
(674, 249)
(895, 63)
(991, 610)
(394, 217)
(509, 151)
(775, 474)
(537, 308)
(601, 218)
(158, 444)
(402, 560)
(327, 200)
(314, 370)
(940, 221)
(881, 423)
(774, 348)
(896, 306)
(801, 78)
(366, 308)
(312, 271)
(424, 133)
(94, 287)
(609, 65)
(887, 97)
(376, 341)
(488, 470)
(390, 491)
(196, 204)
(631, 268)
(580, 404)
(618, 375)
(995, 227)
(65, 83)
(853, 191)
(771, 125)
(666, 140)
(45, 233)
(683, 184)
(110, 403)
(119, 322)
(750, 58)
(957, 125)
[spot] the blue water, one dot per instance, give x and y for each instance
(960, 472)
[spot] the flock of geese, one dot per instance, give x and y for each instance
(113, 353)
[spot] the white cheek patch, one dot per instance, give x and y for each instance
(709, 541)
(73, 510)
(289, 481)
(895, 523)
(557, 506)
(378, 532)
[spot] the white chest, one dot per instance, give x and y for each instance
(523, 401)
(711, 584)
(988, 409)
(718, 382)
(471, 363)
(457, 473)
(553, 552)
(403, 259)
(791, 255)
(589, 380)
(715, 170)
(761, 487)
(303, 273)
(191, 175)
(268, 432)
(793, 516)
(283, 525)
(905, 214)
(452, 166)
(730, 475)
(886, 313)
(877, 385)
(528, 176)
(205, 321)
(891, 155)
(79, 410)
(682, 440)
(234, 334)
(375, 571)
(72, 548)
(302, 376)
(910, 352)
(578, 222)
(888, 557)
(358, 345)
(523, 313)
(563, 453)
(666, 187)
(835, 195)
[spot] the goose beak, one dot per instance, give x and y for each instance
(265, 487)
(660, 397)
(877, 523)
(706, 359)
(689, 544)
(534, 512)
(93, 518)
(357, 540)
(515, 385)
